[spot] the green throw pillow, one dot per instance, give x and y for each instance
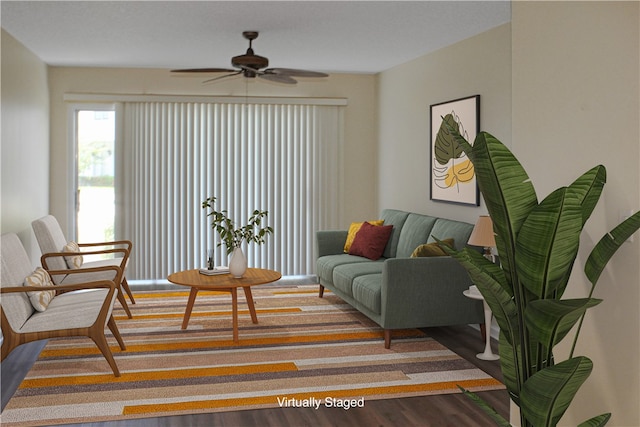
(431, 249)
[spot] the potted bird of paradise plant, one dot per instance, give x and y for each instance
(538, 244)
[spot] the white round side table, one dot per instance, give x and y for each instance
(488, 316)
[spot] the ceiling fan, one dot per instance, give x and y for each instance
(251, 65)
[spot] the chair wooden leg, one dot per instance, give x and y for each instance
(116, 333)
(483, 331)
(124, 304)
(387, 338)
(321, 292)
(101, 342)
(125, 286)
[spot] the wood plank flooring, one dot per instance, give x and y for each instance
(453, 410)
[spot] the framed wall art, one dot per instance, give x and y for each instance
(453, 177)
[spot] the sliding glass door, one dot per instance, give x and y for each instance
(95, 174)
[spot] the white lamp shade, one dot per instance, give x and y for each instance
(482, 234)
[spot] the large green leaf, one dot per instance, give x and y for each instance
(547, 394)
(608, 245)
(548, 243)
(499, 419)
(599, 421)
(507, 191)
(588, 188)
(549, 321)
(510, 366)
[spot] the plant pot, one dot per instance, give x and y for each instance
(238, 263)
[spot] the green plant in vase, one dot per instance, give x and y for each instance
(233, 236)
(538, 245)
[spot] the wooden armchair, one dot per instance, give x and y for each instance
(68, 313)
(52, 244)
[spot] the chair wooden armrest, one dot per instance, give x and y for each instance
(75, 287)
(126, 243)
(125, 256)
(123, 251)
(117, 270)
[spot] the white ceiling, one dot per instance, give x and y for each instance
(329, 36)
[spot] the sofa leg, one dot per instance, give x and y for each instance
(321, 293)
(387, 338)
(483, 331)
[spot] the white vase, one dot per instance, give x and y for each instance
(238, 263)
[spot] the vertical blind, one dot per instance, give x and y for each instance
(283, 158)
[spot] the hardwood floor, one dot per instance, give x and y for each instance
(440, 410)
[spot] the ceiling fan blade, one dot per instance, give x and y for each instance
(204, 70)
(278, 78)
(222, 77)
(296, 73)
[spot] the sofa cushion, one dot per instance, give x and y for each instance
(415, 232)
(431, 249)
(367, 291)
(396, 218)
(457, 230)
(353, 230)
(326, 264)
(345, 274)
(371, 241)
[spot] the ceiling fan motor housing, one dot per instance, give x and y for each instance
(249, 60)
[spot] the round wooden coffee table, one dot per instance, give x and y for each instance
(224, 283)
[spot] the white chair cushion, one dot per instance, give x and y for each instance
(75, 260)
(78, 309)
(40, 299)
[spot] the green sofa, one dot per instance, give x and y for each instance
(398, 291)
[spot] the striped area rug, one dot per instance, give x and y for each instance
(305, 351)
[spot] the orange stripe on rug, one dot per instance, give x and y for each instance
(128, 377)
(273, 399)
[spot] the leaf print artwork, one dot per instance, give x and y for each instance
(453, 177)
(451, 167)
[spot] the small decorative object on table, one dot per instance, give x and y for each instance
(210, 264)
(233, 237)
(214, 271)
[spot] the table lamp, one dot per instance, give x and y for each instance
(482, 235)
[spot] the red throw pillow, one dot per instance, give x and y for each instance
(371, 240)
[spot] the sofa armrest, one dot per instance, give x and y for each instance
(426, 292)
(330, 242)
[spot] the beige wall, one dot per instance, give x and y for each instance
(481, 66)
(25, 142)
(360, 154)
(576, 98)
